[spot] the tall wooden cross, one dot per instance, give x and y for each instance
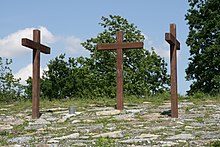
(174, 45)
(37, 48)
(119, 46)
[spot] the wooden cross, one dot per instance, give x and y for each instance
(37, 48)
(174, 45)
(119, 46)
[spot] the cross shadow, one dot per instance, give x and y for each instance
(30, 114)
(166, 112)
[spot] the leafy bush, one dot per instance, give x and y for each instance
(203, 18)
(10, 87)
(105, 142)
(215, 144)
(145, 72)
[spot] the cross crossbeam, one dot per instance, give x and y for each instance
(172, 40)
(37, 48)
(119, 46)
(174, 45)
(34, 45)
(129, 45)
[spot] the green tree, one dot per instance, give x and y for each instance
(65, 78)
(145, 72)
(10, 87)
(203, 19)
(59, 81)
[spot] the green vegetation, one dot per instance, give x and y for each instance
(203, 19)
(200, 97)
(141, 120)
(85, 102)
(105, 142)
(10, 88)
(200, 119)
(215, 144)
(87, 82)
(145, 72)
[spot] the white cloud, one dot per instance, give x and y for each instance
(10, 46)
(162, 50)
(148, 42)
(26, 72)
(73, 46)
(47, 36)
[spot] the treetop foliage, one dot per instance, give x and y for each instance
(10, 87)
(203, 19)
(145, 72)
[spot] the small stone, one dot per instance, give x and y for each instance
(43, 145)
(110, 112)
(14, 145)
(62, 120)
(56, 109)
(134, 111)
(88, 121)
(116, 134)
(79, 144)
(51, 119)
(53, 141)
(84, 137)
(189, 120)
(135, 141)
(167, 143)
(20, 139)
(179, 122)
(200, 125)
(40, 121)
(210, 135)
(5, 127)
(101, 109)
(127, 117)
(146, 102)
(189, 127)
(181, 137)
(76, 121)
(165, 105)
(211, 105)
(156, 128)
(151, 116)
(34, 127)
(216, 116)
(196, 115)
(65, 117)
(74, 135)
(151, 136)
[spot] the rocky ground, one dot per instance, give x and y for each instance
(138, 125)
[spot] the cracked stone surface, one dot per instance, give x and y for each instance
(138, 125)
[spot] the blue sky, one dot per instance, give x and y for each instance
(65, 24)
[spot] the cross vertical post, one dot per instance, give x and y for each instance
(119, 73)
(36, 77)
(174, 45)
(37, 48)
(119, 46)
